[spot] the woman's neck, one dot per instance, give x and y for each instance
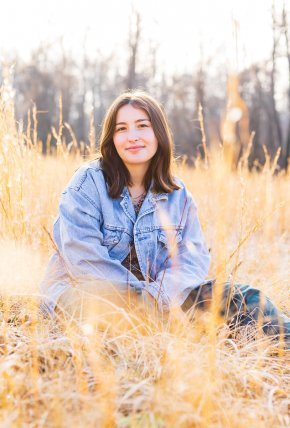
(137, 174)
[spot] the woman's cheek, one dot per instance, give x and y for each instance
(119, 142)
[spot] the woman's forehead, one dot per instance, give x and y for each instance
(130, 113)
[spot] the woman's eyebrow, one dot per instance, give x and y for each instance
(138, 120)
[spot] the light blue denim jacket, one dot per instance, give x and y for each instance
(93, 234)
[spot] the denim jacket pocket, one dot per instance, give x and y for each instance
(167, 243)
(111, 239)
(117, 242)
(169, 237)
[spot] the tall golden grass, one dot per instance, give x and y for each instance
(155, 372)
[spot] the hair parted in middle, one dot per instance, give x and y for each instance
(160, 168)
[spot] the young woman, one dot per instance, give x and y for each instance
(126, 224)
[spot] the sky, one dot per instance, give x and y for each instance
(185, 31)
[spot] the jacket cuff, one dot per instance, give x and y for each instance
(157, 291)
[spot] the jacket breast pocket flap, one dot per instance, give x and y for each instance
(111, 238)
(169, 237)
(117, 242)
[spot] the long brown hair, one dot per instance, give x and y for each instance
(160, 168)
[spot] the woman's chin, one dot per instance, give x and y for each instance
(136, 161)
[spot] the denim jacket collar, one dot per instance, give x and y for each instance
(151, 196)
(148, 205)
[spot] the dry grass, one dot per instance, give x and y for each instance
(156, 372)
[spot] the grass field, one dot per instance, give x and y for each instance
(155, 372)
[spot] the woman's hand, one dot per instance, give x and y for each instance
(144, 300)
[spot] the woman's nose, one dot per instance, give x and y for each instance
(133, 135)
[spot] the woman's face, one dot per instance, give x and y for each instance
(134, 138)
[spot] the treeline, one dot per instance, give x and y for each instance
(88, 84)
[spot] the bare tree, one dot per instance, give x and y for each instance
(134, 44)
(275, 116)
(235, 123)
(286, 35)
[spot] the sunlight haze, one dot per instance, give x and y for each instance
(185, 32)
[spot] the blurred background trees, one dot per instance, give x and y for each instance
(253, 99)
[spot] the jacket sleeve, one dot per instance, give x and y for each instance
(187, 267)
(78, 236)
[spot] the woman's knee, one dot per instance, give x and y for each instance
(106, 305)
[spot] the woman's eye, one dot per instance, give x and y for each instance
(143, 125)
(120, 129)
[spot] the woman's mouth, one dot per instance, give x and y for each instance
(135, 148)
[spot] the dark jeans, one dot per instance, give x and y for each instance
(242, 305)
